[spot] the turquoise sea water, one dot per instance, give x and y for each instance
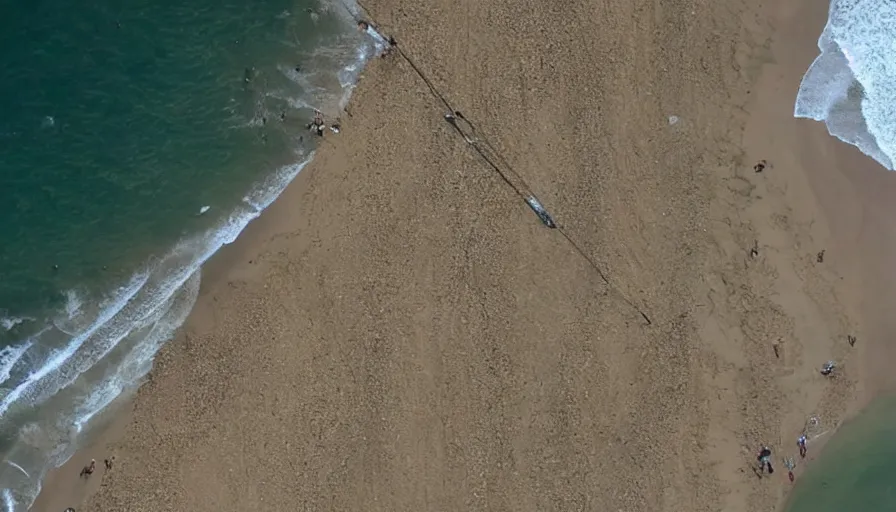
(135, 139)
(857, 470)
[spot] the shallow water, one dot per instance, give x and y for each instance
(137, 139)
(857, 470)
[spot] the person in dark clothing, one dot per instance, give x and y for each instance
(765, 459)
(88, 469)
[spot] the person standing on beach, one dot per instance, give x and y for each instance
(765, 459)
(801, 442)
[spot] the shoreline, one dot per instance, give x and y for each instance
(254, 203)
(850, 194)
(115, 419)
(117, 416)
(850, 191)
(261, 262)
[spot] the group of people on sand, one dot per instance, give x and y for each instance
(765, 457)
(318, 126)
(88, 470)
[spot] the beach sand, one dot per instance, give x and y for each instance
(400, 332)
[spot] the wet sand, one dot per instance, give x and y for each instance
(400, 332)
(848, 196)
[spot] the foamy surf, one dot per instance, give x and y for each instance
(9, 357)
(851, 85)
(8, 323)
(57, 382)
(110, 354)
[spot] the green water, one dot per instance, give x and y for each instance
(857, 470)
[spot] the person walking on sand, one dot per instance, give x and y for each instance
(88, 470)
(109, 462)
(801, 442)
(765, 459)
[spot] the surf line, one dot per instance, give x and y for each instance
(522, 190)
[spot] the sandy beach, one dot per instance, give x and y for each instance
(400, 332)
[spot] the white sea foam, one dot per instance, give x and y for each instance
(315, 82)
(115, 350)
(378, 39)
(135, 364)
(8, 501)
(8, 323)
(32, 385)
(73, 303)
(140, 303)
(10, 356)
(851, 85)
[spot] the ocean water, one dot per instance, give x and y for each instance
(136, 139)
(857, 469)
(851, 85)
